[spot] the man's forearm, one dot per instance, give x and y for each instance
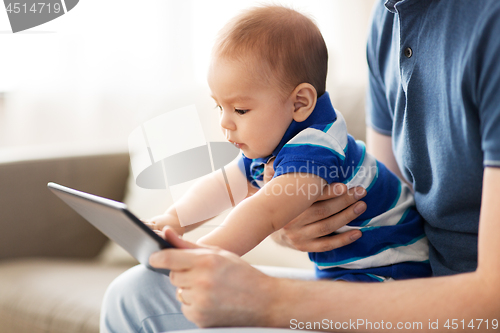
(420, 303)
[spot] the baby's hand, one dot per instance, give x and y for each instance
(158, 222)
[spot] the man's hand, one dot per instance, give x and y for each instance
(310, 231)
(217, 287)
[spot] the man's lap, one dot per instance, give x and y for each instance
(141, 300)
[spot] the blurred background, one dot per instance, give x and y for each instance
(73, 89)
(91, 76)
(71, 92)
(80, 84)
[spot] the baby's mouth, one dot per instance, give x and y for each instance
(236, 144)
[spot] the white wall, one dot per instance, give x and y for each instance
(94, 74)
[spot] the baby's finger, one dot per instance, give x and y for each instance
(151, 225)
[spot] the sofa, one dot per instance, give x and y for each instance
(52, 278)
(55, 266)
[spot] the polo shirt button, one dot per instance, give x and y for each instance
(408, 52)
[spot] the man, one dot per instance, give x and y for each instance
(434, 117)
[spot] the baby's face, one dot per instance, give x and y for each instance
(253, 115)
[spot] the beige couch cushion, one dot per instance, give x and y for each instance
(37, 223)
(43, 295)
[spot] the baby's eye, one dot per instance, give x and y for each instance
(239, 111)
(218, 107)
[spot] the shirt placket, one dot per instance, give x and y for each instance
(409, 27)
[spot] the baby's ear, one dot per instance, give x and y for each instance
(304, 98)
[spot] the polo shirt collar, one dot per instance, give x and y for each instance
(390, 5)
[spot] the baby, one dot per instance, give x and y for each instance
(267, 77)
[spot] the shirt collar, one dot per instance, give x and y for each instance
(394, 5)
(390, 5)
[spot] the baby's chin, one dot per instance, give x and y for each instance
(253, 155)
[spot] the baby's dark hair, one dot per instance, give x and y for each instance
(287, 42)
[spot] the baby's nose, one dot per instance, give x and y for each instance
(226, 122)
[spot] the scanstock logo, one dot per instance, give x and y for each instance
(171, 152)
(27, 14)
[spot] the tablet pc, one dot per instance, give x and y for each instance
(114, 220)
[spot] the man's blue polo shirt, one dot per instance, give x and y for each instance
(434, 86)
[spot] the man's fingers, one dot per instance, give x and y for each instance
(337, 221)
(312, 236)
(173, 259)
(173, 238)
(333, 190)
(324, 209)
(186, 296)
(184, 279)
(334, 242)
(336, 190)
(181, 257)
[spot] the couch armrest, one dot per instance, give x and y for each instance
(35, 223)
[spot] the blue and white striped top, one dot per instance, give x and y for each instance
(393, 244)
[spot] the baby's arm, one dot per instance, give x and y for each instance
(207, 198)
(270, 209)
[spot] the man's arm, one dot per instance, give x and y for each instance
(221, 290)
(380, 146)
(468, 296)
(472, 296)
